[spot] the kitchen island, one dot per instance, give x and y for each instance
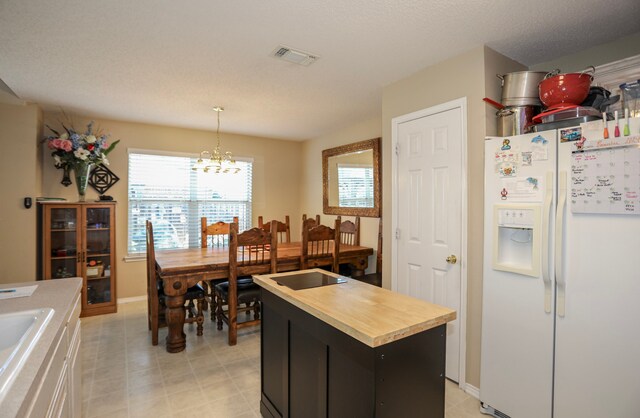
(349, 350)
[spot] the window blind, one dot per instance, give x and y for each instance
(356, 186)
(165, 190)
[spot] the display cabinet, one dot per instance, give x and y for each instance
(78, 240)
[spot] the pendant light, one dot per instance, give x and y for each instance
(216, 161)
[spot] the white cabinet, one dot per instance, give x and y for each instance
(75, 364)
(59, 392)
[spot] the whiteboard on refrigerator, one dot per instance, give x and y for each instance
(606, 180)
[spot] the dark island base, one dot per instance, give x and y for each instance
(311, 369)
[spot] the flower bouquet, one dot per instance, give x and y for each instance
(79, 151)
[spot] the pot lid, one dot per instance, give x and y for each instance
(566, 112)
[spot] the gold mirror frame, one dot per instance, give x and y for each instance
(369, 144)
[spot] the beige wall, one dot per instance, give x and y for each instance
(275, 177)
(311, 179)
(597, 55)
(19, 178)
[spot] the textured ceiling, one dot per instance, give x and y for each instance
(169, 62)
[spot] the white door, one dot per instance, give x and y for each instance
(429, 216)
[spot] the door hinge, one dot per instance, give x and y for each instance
(397, 233)
(397, 149)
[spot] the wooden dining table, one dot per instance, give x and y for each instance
(181, 269)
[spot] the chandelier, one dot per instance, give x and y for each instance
(216, 160)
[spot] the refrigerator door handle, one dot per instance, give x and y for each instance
(560, 280)
(546, 277)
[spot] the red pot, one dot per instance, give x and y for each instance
(565, 89)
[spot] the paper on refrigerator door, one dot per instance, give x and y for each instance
(506, 162)
(539, 148)
(522, 189)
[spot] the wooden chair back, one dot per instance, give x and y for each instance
(152, 286)
(217, 233)
(320, 246)
(254, 251)
(350, 231)
(310, 222)
(283, 229)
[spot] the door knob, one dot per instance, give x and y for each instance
(452, 259)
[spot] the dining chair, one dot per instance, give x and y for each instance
(320, 246)
(375, 278)
(217, 236)
(349, 231)
(283, 228)
(350, 235)
(156, 297)
(217, 233)
(251, 252)
(312, 221)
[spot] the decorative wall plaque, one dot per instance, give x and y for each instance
(101, 178)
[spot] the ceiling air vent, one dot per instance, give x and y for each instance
(293, 55)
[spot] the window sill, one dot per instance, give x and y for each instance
(132, 258)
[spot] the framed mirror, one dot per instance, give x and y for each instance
(351, 179)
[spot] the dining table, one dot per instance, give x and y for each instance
(183, 268)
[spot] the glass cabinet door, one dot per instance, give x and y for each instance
(98, 257)
(64, 243)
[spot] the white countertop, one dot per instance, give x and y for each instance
(58, 294)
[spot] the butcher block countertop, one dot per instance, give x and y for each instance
(371, 315)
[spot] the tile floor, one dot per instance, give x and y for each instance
(125, 376)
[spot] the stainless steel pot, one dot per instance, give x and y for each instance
(516, 120)
(521, 88)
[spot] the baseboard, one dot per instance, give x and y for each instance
(132, 299)
(472, 390)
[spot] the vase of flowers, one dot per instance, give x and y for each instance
(77, 151)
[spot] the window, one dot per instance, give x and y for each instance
(356, 186)
(164, 189)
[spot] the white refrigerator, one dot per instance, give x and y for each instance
(561, 282)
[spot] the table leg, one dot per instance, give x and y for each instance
(358, 267)
(356, 271)
(174, 316)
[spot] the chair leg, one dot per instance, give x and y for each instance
(214, 305)
(256, 310)
(233, 328)
(207, 294)
(200, 316)
(219, 311)
(191, 308)
(154, 331)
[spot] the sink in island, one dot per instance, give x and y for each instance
(349, 350)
